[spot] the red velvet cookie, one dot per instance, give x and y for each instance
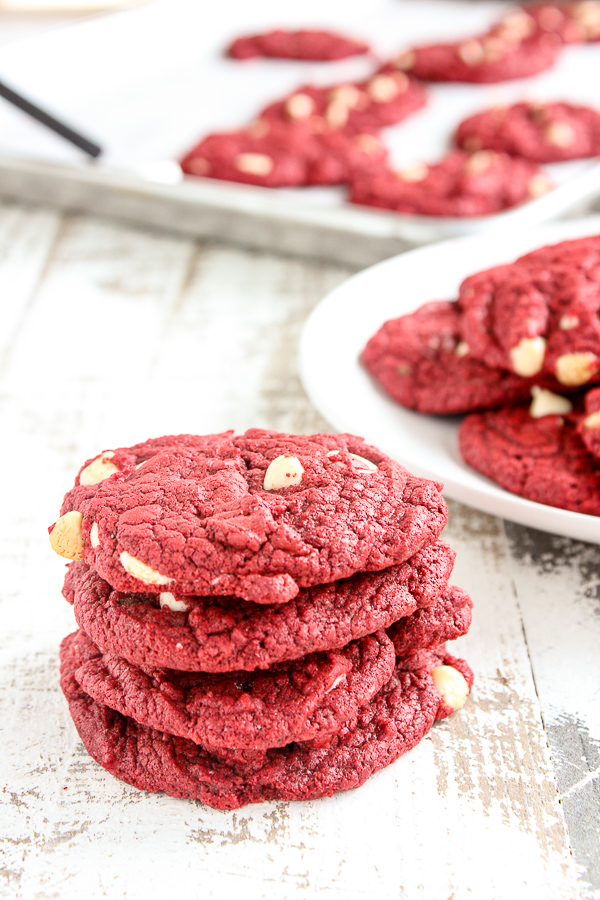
(303, 700)
(461, 184)
(589, 425)
(542, 132)
(542, 459)
(572, 22)
(539, 315)
(397, 718)
(277, 153)
(309, 45)
(502, 54)
(421, 361)
(258, 516)
(224, 634)
(382, 100)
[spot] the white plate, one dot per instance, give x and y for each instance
(342, 391)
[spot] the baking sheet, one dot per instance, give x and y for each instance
(147, 83)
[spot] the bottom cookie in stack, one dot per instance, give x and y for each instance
(300, 729)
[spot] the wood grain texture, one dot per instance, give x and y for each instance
(125, 334)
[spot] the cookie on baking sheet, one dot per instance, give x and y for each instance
(258, 516)
(423, 688)
(302, 700)
(573, 22)
(421, 361)
(505, 52)
(542, 132)
(214, 634)
(460, 184)
(541, 458)
(274, 153)
(309, 45)
(382, 100)
(588, 426)
(538, 316)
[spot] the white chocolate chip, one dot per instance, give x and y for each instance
(559, 134)
(359, 463)
(254, 164)
(415, 173)
(199, 166)
(587, 15)
(282, 472)
(141, 571)
(539, 185)
(471, 53)
(66, 538)
(369, 144)
(452, 685)
(336, 114)
(300, 106)
(547, 403)
(566, 323)
(337, 681)
(346, 95)
(94, 536)
(591, 422)
(167, 599)
(98, 470)
(574, 369)
(479, 162)
(494, 48)
(259, 128)
(405, 60)
(462, 348)
(527, 358)
(518, 25)
(383, 88)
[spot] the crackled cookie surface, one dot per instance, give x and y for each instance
(542, 132)
(541, 458)
(257, 516)
(214, 634)
(309, 45)
(296, 701)
(422, 689)
(539, 315)
(421, 361)
(460, 184)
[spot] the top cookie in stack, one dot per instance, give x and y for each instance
(234, 594)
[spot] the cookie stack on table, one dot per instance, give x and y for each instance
(262, 616)
(520, 351)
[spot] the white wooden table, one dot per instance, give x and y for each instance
(109, 335)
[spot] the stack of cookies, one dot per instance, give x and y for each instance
(262, 616)
(519, 350)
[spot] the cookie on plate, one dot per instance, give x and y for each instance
(542, 132)
(539, 457)
(221, 634)
(258, 516)
(423, 687)
(460, 184)
(504, 53)
(538, 316)
(308, 45)
(421, 361)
